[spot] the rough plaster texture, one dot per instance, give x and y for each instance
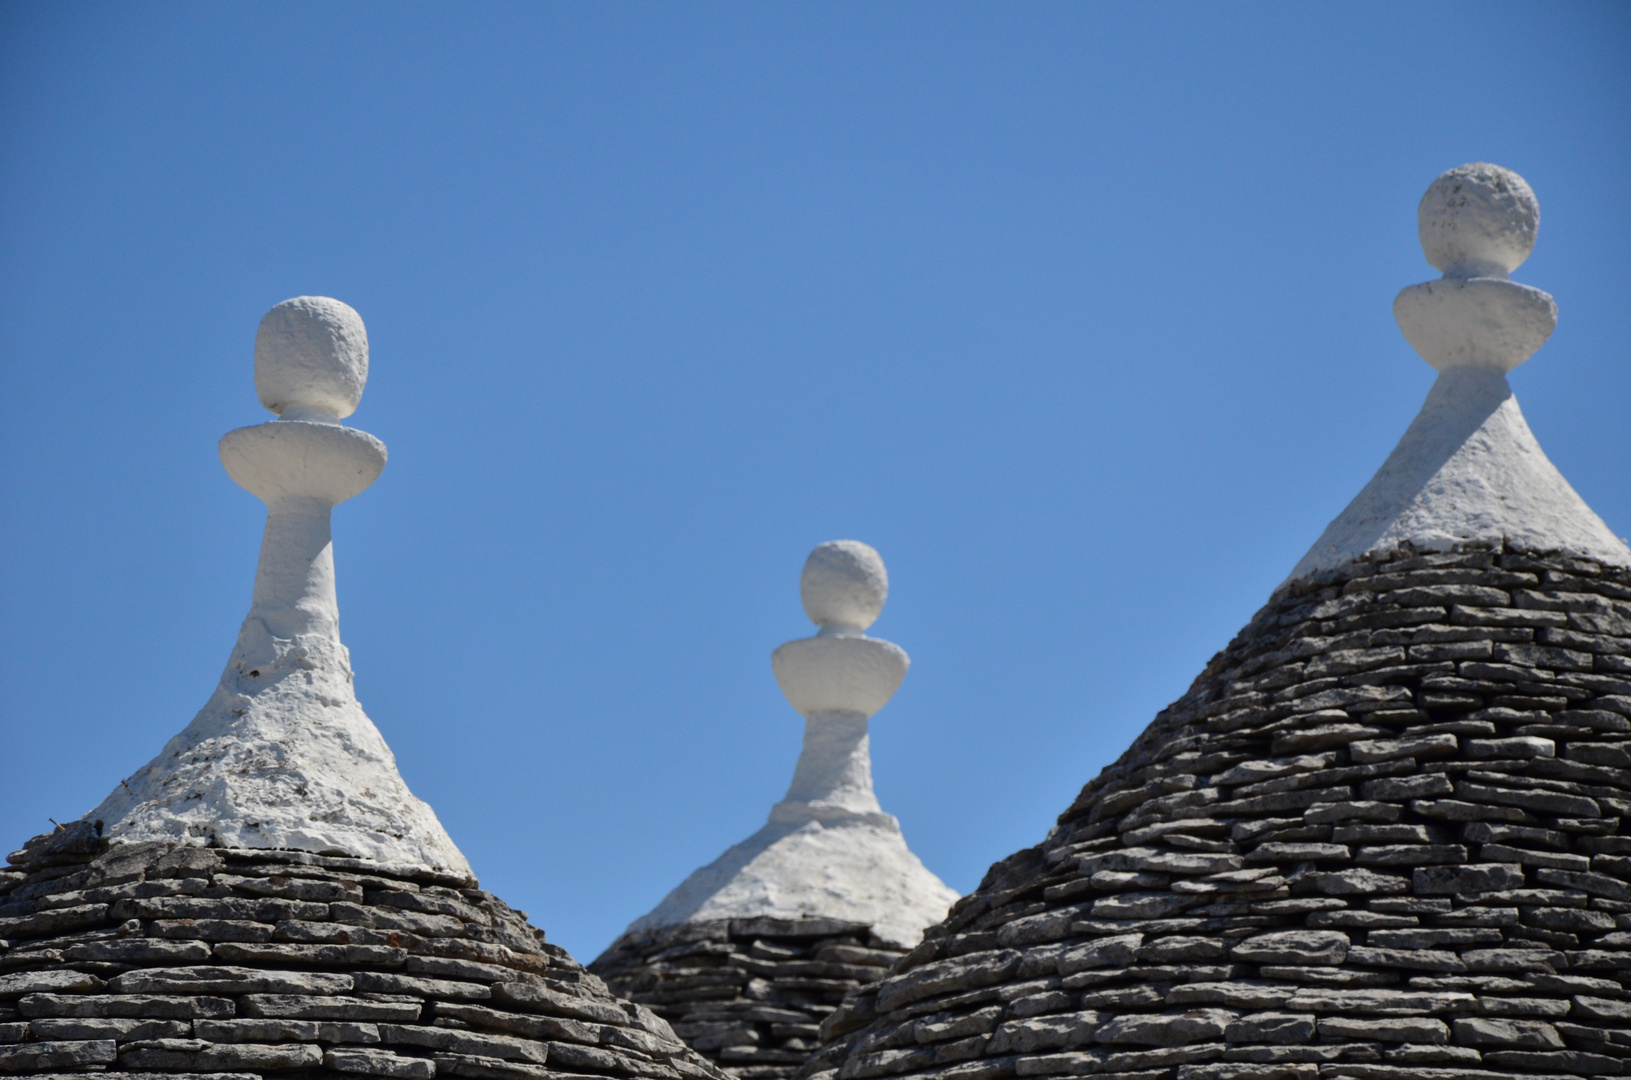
(282, 755)
(839, 673)
(311, 359)
(828, 850)
(1468, 470)
(1478, 220)
(858, 870)
(833, 778)
(844, 584)
(1488, 323)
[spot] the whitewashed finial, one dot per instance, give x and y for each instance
(1477, 224)
(282, 755)
(311, 359)
(836, 681)
(1478, 220)
(841, 670)
(828, 850)
(844, 586)
(1469, 471)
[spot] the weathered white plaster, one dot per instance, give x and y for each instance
(854, 870)
(836, 674)
(1469, 469)
(282, 755)
(843, 586)
(1488, 323)
(311, 359)
(1478, 220)
(828, 850)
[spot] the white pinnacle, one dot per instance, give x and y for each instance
(1468, 470)
(282, 755)
(828, 850)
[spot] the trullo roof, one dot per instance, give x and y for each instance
(266, 897)
(1383, 835)
(749, 954)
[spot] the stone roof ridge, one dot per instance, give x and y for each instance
(828, 850)
(282, 756)
(1468, 471)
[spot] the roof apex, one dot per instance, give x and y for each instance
(1469, 470)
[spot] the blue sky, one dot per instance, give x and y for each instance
(1079, 313)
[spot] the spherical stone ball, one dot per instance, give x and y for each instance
(844, 583)
(311, 358)
(1479, 220)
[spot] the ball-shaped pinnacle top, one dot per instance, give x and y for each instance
(844, 584)
(311, 359)
(1478, 220)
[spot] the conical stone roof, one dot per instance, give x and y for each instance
(267, 897)
(1383, 835)
(752, 952)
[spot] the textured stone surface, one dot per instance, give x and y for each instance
(349, 970)
(1381, 837)
(749, 993)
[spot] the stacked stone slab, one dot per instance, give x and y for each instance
(748, 993)
(266, 897)
(1382, 831)
(1383, 836)
(751, 953)
(152, 959)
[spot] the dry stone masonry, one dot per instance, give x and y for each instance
(266, 897)
(750, 953)
(750, 994)
(154, 959)
(1383, 835)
